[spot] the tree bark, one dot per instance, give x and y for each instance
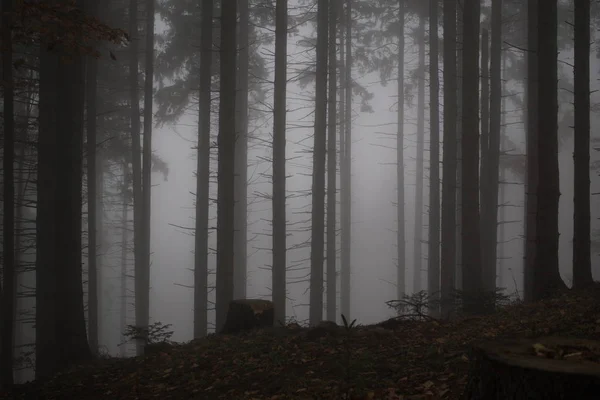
(203, 174)
(279, 144)
(401, 223)
(226, 172)
(318, 180)
(484, 166)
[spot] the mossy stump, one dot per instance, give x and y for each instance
(535, 369)
(247, 314)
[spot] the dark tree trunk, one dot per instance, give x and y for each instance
(241, 158)
(484, 165)
(546, 276)
(401, 223)
(433, 258)
(318, 181)
(459, 135)
(226, 173)
(124, 252)
(7, 294)
(471, 249)
(582, 270)
(448, 262)
(332, 166)
(203, 174)
(279, 142)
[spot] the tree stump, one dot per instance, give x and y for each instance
(247, 314)
(531, 369)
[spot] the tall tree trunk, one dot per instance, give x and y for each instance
(418, 238)
(401, 223)
(203, 174)
(459, 135)
(484, 189)
(582, 269)
(531, 183)
(448, 262)
(92, 195)
(226, 144)
(241, 158)
(489, 270)
(124, 251)
(61, 338)
(346, 170)
(143, 308)
(502, 185)
(136, 161)
(8, 222)
(433, 259)
(279, 142)
(332, 166)
(546, 276)
(471, 249)
(318, 181)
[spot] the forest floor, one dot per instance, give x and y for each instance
(392, 360)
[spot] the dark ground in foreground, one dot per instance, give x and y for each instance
(393, 360)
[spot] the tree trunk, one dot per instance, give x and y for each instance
(502, 186)
(7, 294)
(484, 165)
(401, 223)
(531, 139)
(582, 270)
(241, 159)
(418, 237)
(279, 142)
(124, 251)
(346, 170)
(433, 258)
(448, 263)
(471, 249)
(318, 181)
(226, 144)
(332, 166)
(459, 135)
(546, 276)
(203, 175)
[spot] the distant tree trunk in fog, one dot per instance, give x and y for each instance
(203, 174)
(241, 158)
(346, 169)
(318, 180)
(531, 181)
(502, 185)
(401, 223)
(484, 187)
(491, 236)
(92, 195)
(459, 129)
(136, 161)
(471, 249)
(418, 233)
(226, 144)
(433, 258)
(546, 276)
(279, 142)
(332, 165)
(61, 338)
(7, 293)
(448, 256)
(582, 270)
(124, 251)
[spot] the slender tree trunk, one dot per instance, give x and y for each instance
(318, 181)
(8, 222)
(546, 276)
(433, 259)
(92, 195)
(490, 267)
(531, 139)
(124, 251)
(448, 263)
(226, 144)
(471, 249)
(241, 158)
(418, 237)
(484, 165)
(203, 175)
(459, 135)
(332, 166)
(502, 186)
(582, 269)
(279, 142)
(401, 223)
